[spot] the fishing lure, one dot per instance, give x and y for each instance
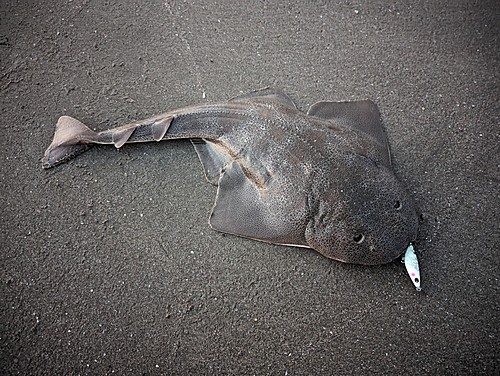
(411, 262)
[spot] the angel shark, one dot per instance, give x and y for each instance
(321, 180)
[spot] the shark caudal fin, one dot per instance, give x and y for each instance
(72, 137)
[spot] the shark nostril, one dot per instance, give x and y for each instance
(359, 238)
(398, 205)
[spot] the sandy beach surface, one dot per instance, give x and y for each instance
(108, 264)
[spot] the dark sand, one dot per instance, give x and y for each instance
(107, 262)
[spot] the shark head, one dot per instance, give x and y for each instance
(366, 217)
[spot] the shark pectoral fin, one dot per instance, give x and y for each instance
(70, 139)
(121, 136)
(241, 208)
(160, 127)
(238, 209)
(362, 116)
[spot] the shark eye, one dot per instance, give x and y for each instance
(398, 205)
(359, 238)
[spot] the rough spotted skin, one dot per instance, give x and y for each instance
(363, 217)
(321, 180)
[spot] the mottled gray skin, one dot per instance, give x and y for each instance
(321, 180)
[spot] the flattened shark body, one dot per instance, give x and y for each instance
(321, 180)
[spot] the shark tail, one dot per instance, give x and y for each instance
(71, 138)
